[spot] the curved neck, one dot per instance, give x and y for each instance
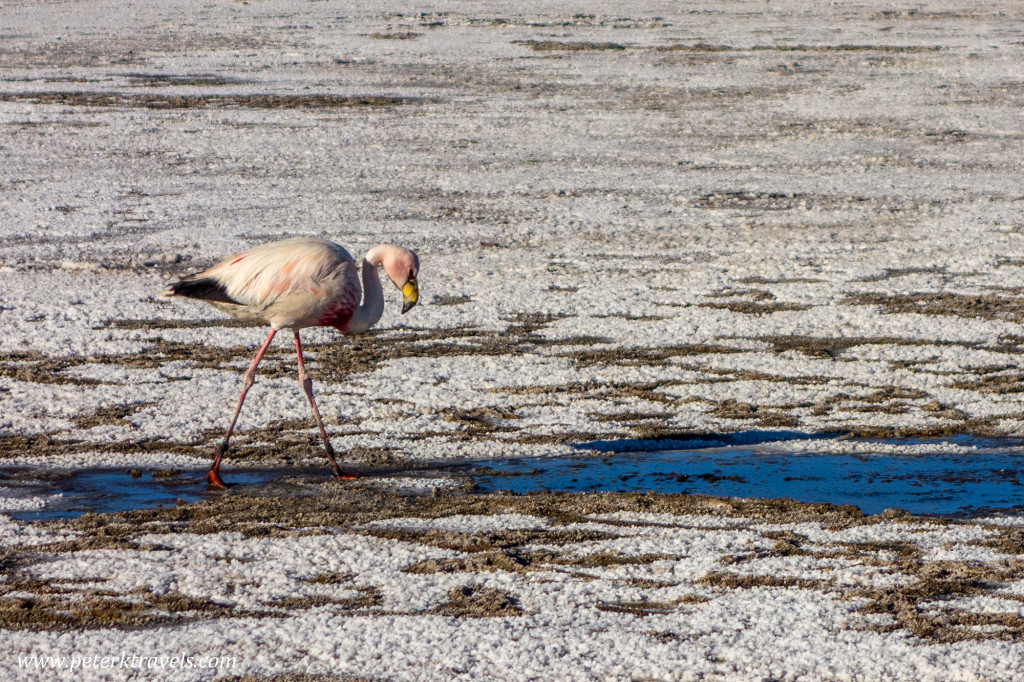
(372, 308)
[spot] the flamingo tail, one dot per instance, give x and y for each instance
(203, 288)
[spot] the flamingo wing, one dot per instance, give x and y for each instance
(300, 276)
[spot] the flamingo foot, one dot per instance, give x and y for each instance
(344, 477)
(214, 480)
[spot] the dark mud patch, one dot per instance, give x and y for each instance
(843, 47)
(788, 201)
(933, 15)
(648, 390)
(766, 417)
(112, 415)
(941, 581)
(632, 417)
(734, 581)
(569, 46)
(451, 300)
(630, 316)
(752, 294)
(986, 306)
(979, 427)
(603, 559)
(396, 35)
(368, 597)
(1007, 542)
(479, 416)
(513, 561)
(490, 541)
(888, 393)
(34, 367)
(658, 355)
(331, 578)
(892, 273)
(105, 100)
(824, 347)
(753, 375)
(757, 308)
(177, 324)
(111, 50)
(649, 607)
(475, 602)
(30, 604)
(760, 279)
(479, 422)
(193, 80)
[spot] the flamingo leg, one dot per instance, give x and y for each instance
(307, 386)
(213, 476)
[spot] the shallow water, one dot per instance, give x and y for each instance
(962, 485)
(109, 490)
(946, 485)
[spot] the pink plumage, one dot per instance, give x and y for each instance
(291, 283)
(300, 283)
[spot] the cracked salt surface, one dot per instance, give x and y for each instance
(565, 632)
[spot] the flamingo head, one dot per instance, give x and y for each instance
(402, 266)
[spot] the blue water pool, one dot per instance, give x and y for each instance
(986, 481)
(948, 485)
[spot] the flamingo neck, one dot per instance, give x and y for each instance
(372, 308)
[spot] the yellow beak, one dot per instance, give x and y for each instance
(411, 293)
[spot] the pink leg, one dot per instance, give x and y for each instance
(307, 386)
(213, 476)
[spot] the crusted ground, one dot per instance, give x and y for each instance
(639, 227)
(304, 551)
(584, 536)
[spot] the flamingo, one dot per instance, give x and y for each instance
(299, 283)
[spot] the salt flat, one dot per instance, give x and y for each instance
(636, 225)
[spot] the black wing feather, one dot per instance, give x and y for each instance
(204, 288)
